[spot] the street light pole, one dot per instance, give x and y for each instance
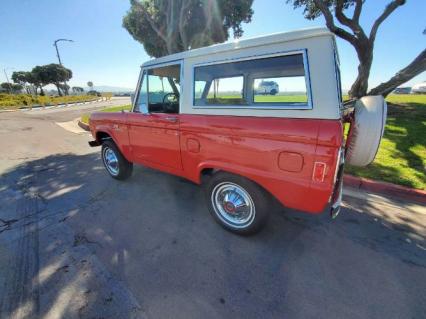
(55, 44)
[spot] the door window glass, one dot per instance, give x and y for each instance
(164, 89)
(141, 101)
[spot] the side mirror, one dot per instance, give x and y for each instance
(132, 98)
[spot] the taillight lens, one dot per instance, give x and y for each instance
(319, 171)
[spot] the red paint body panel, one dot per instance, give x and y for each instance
(115, 125)
(154, 138)
(248, 146)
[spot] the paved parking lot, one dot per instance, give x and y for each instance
(76, 243)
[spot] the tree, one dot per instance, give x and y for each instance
(11, 87)
(17, 88)
(6, 87)
(35, 79)
(64, 88)
(165, 27)
(22, 78)
(351, 31)
(77, 89)
(90, 85)
(54, 74)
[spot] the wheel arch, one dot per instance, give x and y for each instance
(209, 169)
(102, 136)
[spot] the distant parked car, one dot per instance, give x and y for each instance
(402, 90)
(268, 87)
(94, 93)
(419, 88)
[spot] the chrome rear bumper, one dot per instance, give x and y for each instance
(336, 198)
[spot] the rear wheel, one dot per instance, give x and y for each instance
(115, 163)
(236, 203)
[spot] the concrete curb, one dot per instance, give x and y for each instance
(84, 126)
(396, 191)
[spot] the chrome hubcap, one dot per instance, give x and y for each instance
(111, 161)
(233, 205)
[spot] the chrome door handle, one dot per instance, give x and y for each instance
(171, 119)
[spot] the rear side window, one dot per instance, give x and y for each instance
(279, 81)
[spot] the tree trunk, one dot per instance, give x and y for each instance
(58, 88)
(360, 86)
(417, 66)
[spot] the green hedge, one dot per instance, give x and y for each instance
(14, 101)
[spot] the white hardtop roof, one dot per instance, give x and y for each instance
(245, 43)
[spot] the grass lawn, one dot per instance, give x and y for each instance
(402, 154)
(85, 117)
(280, 98)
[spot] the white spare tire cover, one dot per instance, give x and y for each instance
(369, 124)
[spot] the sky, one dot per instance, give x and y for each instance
(105, 53)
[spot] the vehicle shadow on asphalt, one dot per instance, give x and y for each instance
(154, 234)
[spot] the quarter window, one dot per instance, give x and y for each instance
(274, 81)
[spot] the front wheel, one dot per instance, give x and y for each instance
(115, 163)
(236, 203)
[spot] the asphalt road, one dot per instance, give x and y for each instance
(75, 243)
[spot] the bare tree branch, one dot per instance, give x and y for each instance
(351, 23)
(386, 13)
(357, 11)
(417, 66)
(331, 25)
(341, 17)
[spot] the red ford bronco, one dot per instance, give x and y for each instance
(200, 115)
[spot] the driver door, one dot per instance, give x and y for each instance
(154, 121)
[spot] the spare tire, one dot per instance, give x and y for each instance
(367, 131)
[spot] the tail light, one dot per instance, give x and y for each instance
(319, 171)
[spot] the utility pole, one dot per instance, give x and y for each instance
(7, 80)
(55, 44)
